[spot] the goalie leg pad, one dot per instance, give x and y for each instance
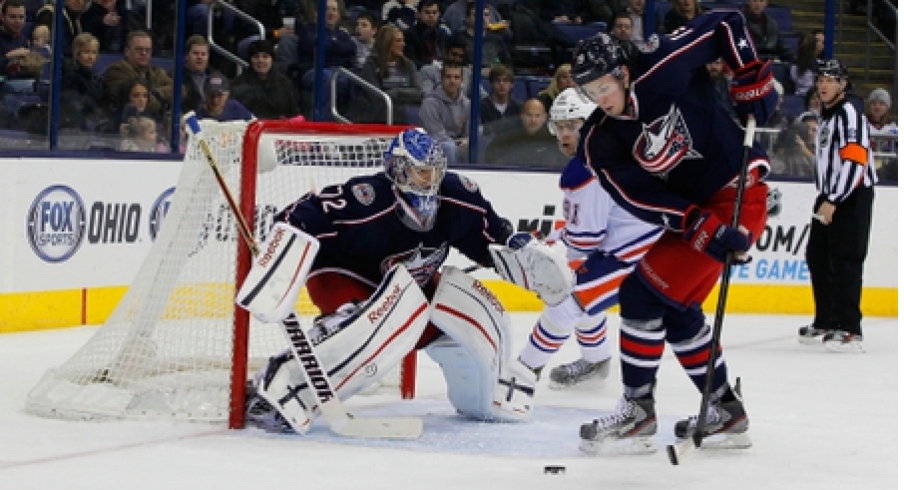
(475, 359)
(271, 288)
(357, 345)
(535, 267)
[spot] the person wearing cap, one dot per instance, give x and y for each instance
(842, 213)
(217, 104)
(266, 92)
(878, 112)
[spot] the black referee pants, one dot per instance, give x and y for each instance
(835, 256)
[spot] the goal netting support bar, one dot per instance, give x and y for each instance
(176, 346)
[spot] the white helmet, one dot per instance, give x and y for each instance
(570, 104)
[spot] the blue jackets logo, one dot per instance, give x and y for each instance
(56, 223)
(159, 210)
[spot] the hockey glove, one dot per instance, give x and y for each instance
(520, 239)
(753, 91)
(707, 234)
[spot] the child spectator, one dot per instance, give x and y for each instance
(140, 135)
(217, 104)
(365, 33)
(263, 90)
(388, 69)
(40, 42)
(82, 89)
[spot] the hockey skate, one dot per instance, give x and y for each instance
(259, 413)
(726, 423)
(841, 341)
(574, 373)
(630, 430)
(807, 335)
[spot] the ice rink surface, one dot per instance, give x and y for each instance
(818, 420)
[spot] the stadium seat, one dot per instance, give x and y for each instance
(793, 105)
(18, 86)
(782, 73)
(578, 32)
(519, 89)
(244, 45)
(14, 102)
(104, 60)
(782, 15)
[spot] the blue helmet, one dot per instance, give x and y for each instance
(597, 56)
(416, 165)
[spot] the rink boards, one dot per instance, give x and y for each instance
(76, 232)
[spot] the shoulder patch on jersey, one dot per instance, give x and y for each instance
(364, 193)
(650, 45)
(467, 183)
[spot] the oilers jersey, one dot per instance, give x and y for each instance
(595, 222)
(361, 234)
(674, 128)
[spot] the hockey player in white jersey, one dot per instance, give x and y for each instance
(603, 242)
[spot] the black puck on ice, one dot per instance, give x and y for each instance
(553, 470)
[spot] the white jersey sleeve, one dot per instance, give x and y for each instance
(594, 221)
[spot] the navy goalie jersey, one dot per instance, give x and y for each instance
(361, 234)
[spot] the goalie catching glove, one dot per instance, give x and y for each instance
(534, 266)
(707, 234)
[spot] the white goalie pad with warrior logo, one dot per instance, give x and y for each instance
(482, 380)
(535, 267)
(356, 345)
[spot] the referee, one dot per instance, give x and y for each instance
(839, 231)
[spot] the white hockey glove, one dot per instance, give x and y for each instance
(534, 266)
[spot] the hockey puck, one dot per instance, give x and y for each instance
(553, 470)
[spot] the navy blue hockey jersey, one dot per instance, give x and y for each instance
(360, 231)
(675, 130)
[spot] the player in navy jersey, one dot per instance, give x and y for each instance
(668, 152)
(369, 252)
(368, 224)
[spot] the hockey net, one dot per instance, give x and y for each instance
(176, 346)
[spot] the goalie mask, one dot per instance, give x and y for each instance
(416, 165)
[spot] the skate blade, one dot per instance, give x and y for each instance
(850, 347)
(809, 340)
(615, 447)
(727, 441)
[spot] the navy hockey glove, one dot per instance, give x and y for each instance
(753, 91)
(520, 239)
(707, 234)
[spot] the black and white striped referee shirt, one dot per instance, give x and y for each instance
(844, 160)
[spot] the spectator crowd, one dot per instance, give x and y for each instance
(415, 54)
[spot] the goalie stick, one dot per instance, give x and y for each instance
(339, 420)
(684, 447)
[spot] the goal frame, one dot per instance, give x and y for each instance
(247, 202)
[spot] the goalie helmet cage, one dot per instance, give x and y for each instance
(176, 346)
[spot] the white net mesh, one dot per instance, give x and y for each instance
(167, 349)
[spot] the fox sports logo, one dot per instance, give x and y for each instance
(56, 223)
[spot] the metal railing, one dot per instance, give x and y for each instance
(229, 55)
(334, 79)
(873, 29)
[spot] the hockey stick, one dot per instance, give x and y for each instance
(681, 448)
(331, 407)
